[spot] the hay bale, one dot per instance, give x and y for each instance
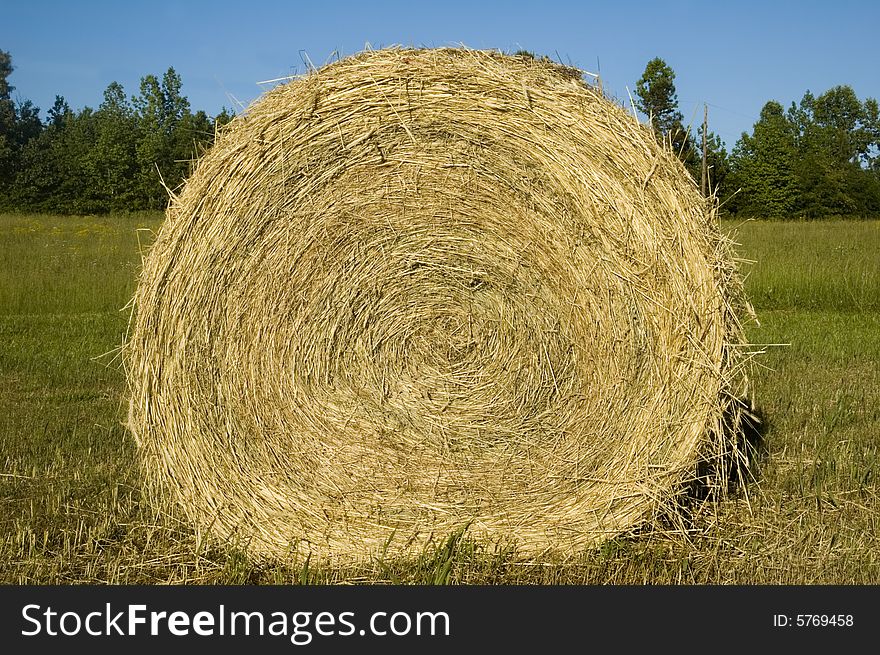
(419, 289)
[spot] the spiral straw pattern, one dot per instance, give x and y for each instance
(422, 289)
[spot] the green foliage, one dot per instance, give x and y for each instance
(6, 107)
(169, 138)
(48, 174)
(114, 160)
(7, 124)
(15, 139)
(59, 112)
(848, 127)
(161, 112)
(119, 157)
(657, 99)
(6, 69)
(764, 166)
(838, 138)
(819, 158)
(223, 118)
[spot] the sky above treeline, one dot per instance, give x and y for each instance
(734, 56)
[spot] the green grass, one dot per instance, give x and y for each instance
(70, 504)
(833, 265)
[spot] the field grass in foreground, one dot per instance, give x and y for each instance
(71, 510)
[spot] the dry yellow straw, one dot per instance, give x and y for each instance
(419, 289)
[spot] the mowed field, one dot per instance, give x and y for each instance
(71, 509)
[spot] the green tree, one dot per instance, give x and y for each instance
(176, 105)
(763, 166)
(39, 173)
(59, 112)
(837, 138)
(19, 125)
(164, 122)
(223, 118)
(57, 170)
(7, 125)
(191, 137)
(850, 127)
(6, 69)
(109, 159)
(153, 152)
(114, 162)
(27, 122)
(657, 99)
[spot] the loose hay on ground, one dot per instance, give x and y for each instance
(422, 289)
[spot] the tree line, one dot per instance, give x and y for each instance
(118, 157)
(818, 157)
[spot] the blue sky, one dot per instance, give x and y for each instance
(733, 55)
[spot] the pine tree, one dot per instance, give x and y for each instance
(658, 100)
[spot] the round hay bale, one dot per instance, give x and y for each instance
(422, 289)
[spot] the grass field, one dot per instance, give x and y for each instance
(71, 510)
